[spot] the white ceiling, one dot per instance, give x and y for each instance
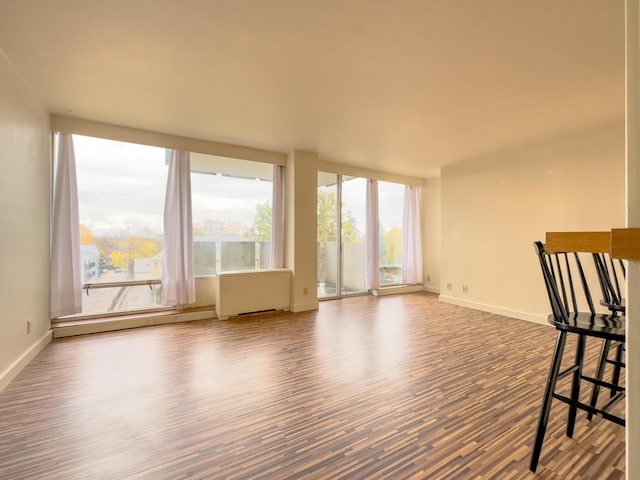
(403, 86)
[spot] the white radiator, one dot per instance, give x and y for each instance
(248, 292)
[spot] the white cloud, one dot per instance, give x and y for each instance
(121, 188)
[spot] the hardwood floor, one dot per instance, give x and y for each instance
(366, 388)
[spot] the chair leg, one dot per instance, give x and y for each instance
(602, 363)
(549, 389)
(575, 385)
(616, 369)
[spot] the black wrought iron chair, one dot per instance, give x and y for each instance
(563, 260)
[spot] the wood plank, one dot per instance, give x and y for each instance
(590, 242)
(625, 243)
(390, 387)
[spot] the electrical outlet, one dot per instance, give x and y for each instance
(448, 286)
(465, 289)
(428, 278)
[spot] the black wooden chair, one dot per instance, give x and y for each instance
(563, 260)
(611, 275)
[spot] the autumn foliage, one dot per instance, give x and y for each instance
(121, 252)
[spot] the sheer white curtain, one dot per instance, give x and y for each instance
(65, 275)
(277, 218)
(411, 237)
(178, 280)
(372, 249)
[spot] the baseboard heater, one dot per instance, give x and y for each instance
(240, 293)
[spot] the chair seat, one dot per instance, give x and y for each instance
(610, 327)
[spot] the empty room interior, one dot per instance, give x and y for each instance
(295, 239)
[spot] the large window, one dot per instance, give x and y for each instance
(121, 194)
(231, 203)
(120, 198)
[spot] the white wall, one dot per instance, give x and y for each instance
(431, 233)
(24, 223)
(494, 209)
(300, 225)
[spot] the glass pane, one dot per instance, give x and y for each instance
(390, 205)
(327, 230)
(121, 200)
(354, 194)
(231, 205)
(238, 256)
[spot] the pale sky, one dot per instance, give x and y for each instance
(121, 190)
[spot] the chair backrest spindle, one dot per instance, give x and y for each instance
(585, 285)
(564, 260)
(614, 274)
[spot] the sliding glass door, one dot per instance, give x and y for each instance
(390, 213)
(354, 195)
(328, 251)
(341, 214)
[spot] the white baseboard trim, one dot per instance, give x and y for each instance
(530, 317)
(432, 289)
(381, 292)
(16, 367)
(110, 325)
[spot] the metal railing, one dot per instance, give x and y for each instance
(127, 283)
